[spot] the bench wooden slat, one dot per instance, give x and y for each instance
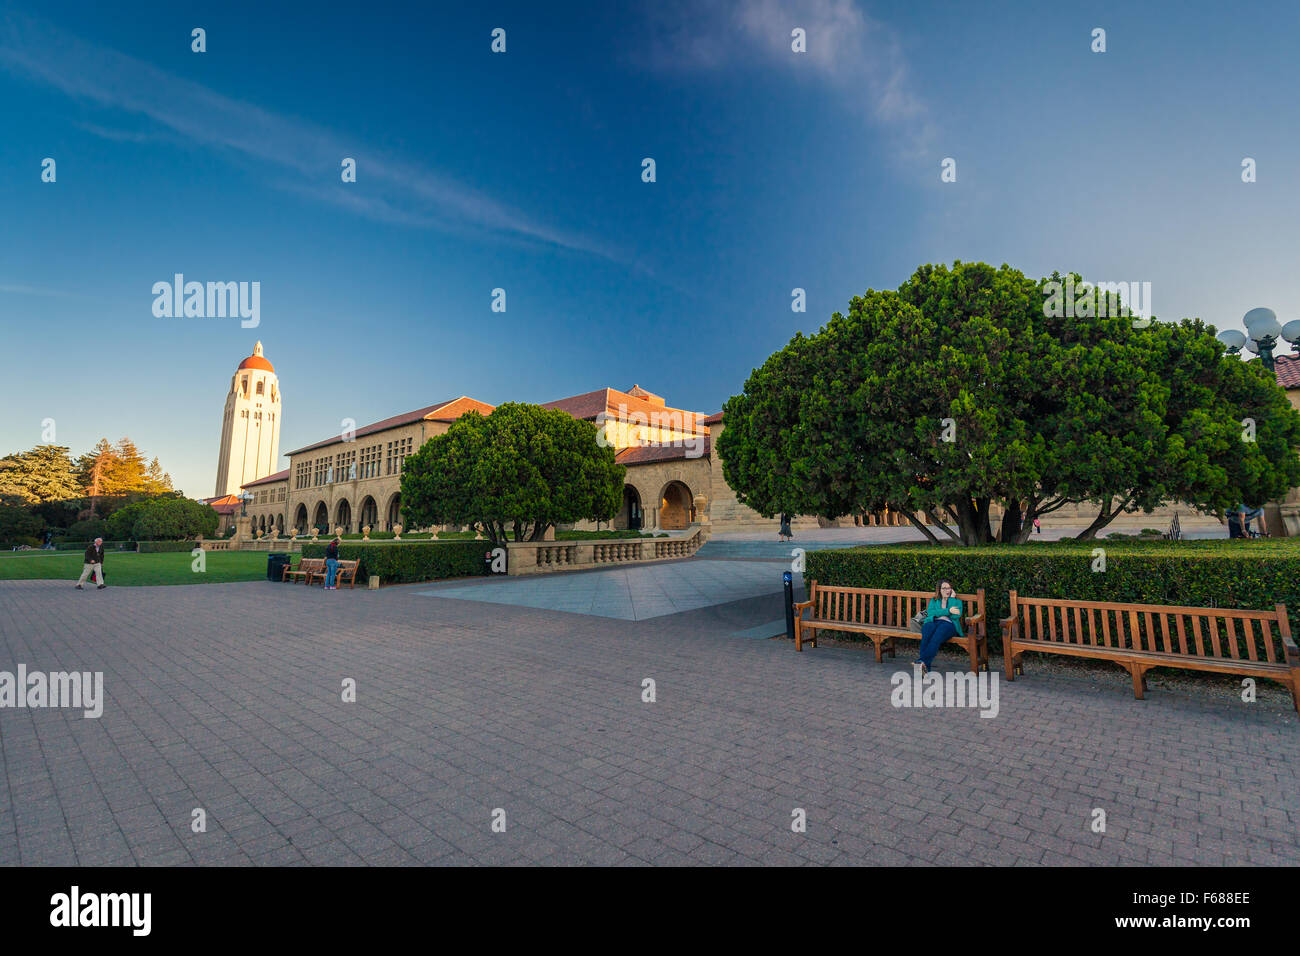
(884, 615)
(1152, 640)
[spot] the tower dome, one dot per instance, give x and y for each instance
(257, 361)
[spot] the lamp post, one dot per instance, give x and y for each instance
(244, 499)
(1261, 335)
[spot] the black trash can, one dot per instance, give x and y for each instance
(276, 562)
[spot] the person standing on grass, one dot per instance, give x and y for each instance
(942, 620)
(784, 533)
(331, 563)
(94, 564)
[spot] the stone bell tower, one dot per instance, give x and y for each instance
(250, 429)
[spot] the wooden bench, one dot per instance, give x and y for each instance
(346, 569)
(307, 568)
(883, 617)
(1139, 637)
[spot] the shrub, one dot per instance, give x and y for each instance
(407, 563)
(88, 530)
(1237, 574)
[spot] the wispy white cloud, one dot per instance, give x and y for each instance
(394, 190)
(858, 57)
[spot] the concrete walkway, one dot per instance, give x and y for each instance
(229, 699)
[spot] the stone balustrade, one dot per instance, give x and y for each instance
(540, 557)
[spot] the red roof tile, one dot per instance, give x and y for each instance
(404, 419)
(648, 454)
(278, 476)
(1287, 369)
(612, 402)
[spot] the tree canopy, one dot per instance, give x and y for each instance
(962, 390)
(515, 472)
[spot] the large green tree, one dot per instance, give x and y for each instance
(514, 473)
(962, 391)
(46, 473)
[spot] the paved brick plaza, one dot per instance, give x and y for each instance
(466, 706)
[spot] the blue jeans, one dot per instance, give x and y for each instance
(933, 635)
(331, 569)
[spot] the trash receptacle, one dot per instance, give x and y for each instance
(276, 562)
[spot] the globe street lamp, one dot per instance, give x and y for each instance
(1262, 333)
(244, 499)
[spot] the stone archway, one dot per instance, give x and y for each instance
(300, 518)
(343, 515)
(368, 514)
(631, 516)
(393, 513)
(321, 520)
(676, 507)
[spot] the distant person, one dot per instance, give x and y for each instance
(1038, 526)
(49, 541)
(94, 564)
(1236, 521)
(942, 620)
(785, 534)
(1257, 515)
(331, 564)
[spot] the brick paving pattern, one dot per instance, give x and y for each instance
(227, 697)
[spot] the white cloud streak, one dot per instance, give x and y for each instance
(855, 55)
(395, 191)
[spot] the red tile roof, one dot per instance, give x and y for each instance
(223, 504)
(278, 476)
(1287, 369)
(612, 403)
(648, 454)
(452, 408)
(713, 419)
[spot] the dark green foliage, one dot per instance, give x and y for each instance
(165, 518)
(1238, 574)
(960, 392)
(18, 526)
(515, 472)
(407, 563)
(158, 547)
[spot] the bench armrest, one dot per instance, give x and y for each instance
(801, 605)
(975, 619)
(1010, 625)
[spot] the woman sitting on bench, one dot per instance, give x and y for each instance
(942, 621)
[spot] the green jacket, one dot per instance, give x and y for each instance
(937, 610)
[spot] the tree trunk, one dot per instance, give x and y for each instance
(1104, 517)
(920, 525)
(942, 525)
(1011, 518)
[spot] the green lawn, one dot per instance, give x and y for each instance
(128, 569)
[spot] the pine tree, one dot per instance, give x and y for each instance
(45, 473)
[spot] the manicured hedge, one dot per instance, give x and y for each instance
(61, 545)
(1217, 573)
(154, 547)
(405, 563)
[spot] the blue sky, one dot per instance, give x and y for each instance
(522, 171)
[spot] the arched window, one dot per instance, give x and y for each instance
(260, 388)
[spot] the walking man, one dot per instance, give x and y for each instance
(94, 565)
